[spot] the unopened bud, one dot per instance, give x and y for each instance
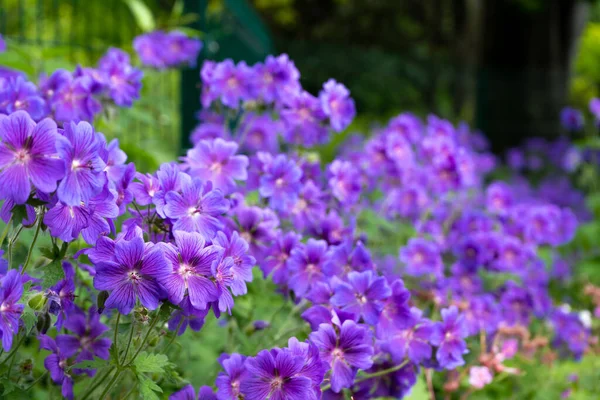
(43, 323)
(38, 301)
(102, 296)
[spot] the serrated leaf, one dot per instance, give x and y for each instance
(153, 363)
(148, 388)
(48, 253)
(53, 273)
(91, 364)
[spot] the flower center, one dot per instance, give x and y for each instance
(279, 182)
(276, 383)
(134, 276)
(337, 353)
(216, 167)
(362, 299)
(75, 164)
(22, 156)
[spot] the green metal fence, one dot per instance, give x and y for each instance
(49, 34)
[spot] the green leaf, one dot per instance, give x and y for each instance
(148, 388)
(53, 273)
(91, 364)
(419, 391)
(142, 14)
(48, 253)
(29, 318)
(150, 362)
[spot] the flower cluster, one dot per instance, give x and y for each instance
(74, 96)
(161, 50)
(454, 278)
(280, 106)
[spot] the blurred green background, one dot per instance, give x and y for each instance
(506, 67)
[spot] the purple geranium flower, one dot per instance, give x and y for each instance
(28, 154)
(303, 120)
(188, 393)
(216, 161)
(277, 78)
(449, 336)
(237, 248)
(276, 375)
(57, 363)
(10, 312)
(277, 260)
(281, 182)
(196, 209)
(74, 101)
(412, 342)
(85, 175)
(363, 295)
(228, 383)
(344, 182)
(18, 94)
(191, 261)
(136, 272)
(346, 348)
(306, 265)
(124, 81)
(421, 257)
(87, 332)
(337, 105)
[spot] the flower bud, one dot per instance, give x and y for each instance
(102, 296)
(43, 323)
(38, 301)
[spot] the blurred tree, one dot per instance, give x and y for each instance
(527, 54)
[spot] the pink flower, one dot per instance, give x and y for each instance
(479, 377)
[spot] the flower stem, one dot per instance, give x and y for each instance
(35, 236)
(96, 384)
(110, 384)
(5, 231)
(129, 342)
(373, 375)
(11, 242)
(174, 336)
(152, 324)
(115, 340)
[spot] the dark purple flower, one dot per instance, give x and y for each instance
(135, 273)
(363, 295)
(87, 331)
(57, 363)
(337, 105)
(276, 375)
(85, 175)
(28, 154)
(346, 348)
(10, 311)
(216, 161)
(188, 393)
(449, 336)
(159, 49)
(187, 316)
(196, 209)
(191, 261)
(572, 119)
